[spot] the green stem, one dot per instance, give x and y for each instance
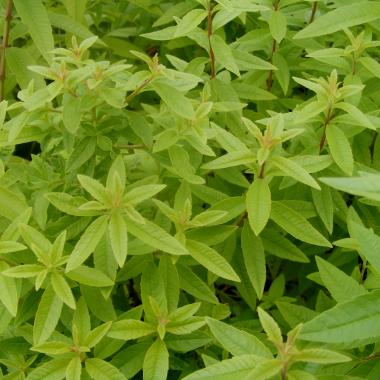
(313, 11)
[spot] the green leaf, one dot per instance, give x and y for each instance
(119, 237)
(292, 169)
(62, 289)
(223, 54)
(74, 369)
(243, 157)
(258, 201)
(323, 203)
(52, 370)
(254, 259)
(236, 341)
(156, 237)
(193, 285)
(34, 16)
(320, 355)
(11, 204)
(156, 361)
(270, 327)
(277, 25)
(341, 286)
(236, 368)
(296, 225)
(340, 149)
(368, 185)
(130, 329)
(174, 99)
(97, 334)
(99, 370)
(349, 324)
(47, 316)
(71, 114)
(87, 243)
(189, 22)
(265, 370)
(8, 291)
(211, 260)
(345, 16)
(89, 276)
(369, 244)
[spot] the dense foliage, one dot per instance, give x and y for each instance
(190, 189)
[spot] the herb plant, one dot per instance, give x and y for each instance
(190, 189)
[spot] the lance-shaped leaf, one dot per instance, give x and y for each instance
(34, 16)
(254, 259)
(189, 22)
(341, 18)
(87, 243)
(211, 260)
(340, 149)
(320, 355)
(89, 276)
(99, 370)
(8, 290)
(174, 99)
(350, 324)
(52, 370)
(156, 237)
(296, 225)
(156, 361)
(236, 341)
(130, 329)
(341, 286)
(292, 169)
(117, 230)
(231, 159)
(62, 289)
(369, 244)
(258, 202)
(47, 316)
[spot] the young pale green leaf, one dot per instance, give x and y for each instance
(74, 369)
(156, 237)
(142, 193)
(236, 341)
(223, 54)
(254, 259)
(230, 160)
(277, 25)
(71, 114)
(93, 187)
(156, 361)
(11, 246)
(341, 18)
(24, 271)
(87, 243)
(89, 276)
(34, 16)
(270, 327)
(47, 316)
(8, 291)
(357, 115)
(52, 370)
(320, 355)
(188, 23)
(117, 230)
(340, 149)
(174, 99)
(193, 285)
(62, 289)
(258, 202)
(97, 334)
(341, 286)
(351, 324)
(292, 169)
(265, 370)
(296, 225)
(52, 348)
(99, 370)
(130, 329)
(365, 186)
(323, 203)
(211, 260)
(236, 368)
